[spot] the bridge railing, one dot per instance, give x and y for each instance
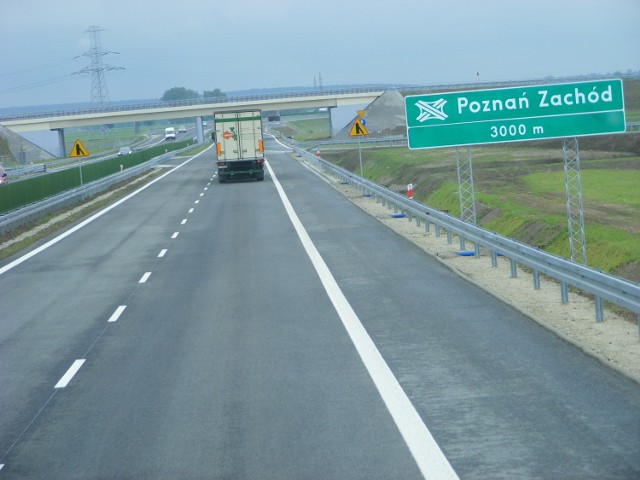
(601, 285)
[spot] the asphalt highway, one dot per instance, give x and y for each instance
(273, 330)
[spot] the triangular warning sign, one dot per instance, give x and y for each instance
(358, 129)
(78, 150)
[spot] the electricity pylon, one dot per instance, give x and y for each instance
(99, 90)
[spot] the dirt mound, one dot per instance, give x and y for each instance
(385, 117)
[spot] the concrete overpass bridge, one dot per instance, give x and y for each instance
(197, 108)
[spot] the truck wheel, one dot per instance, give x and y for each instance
(222, 179)
(260, 178)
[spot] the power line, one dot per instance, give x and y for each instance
(35, 68)
(39, 83)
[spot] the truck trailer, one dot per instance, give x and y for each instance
(239, 145)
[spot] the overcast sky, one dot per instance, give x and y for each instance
(242, 44)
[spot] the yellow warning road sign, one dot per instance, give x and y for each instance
(78, 150)
(358, 129)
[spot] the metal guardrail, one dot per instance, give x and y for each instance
(399, 141)
(26, 170)
(601, 285)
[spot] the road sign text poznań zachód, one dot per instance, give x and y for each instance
(515, 114)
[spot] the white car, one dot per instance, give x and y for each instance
(124, 151)
(182, 129)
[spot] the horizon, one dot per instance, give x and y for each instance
(630, 74)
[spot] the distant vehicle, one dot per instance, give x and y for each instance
(170, 133)
(124, 151)
(239, 145)
(204, 124)
(182, 129)
(3, 176)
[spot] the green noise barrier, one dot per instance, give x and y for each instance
(24, 192)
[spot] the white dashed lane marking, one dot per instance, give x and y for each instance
(66, 378)
(116, 315)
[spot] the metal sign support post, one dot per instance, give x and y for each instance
(358, 130)
(360, 158)
(465, 189)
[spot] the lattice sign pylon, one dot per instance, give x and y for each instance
(573, 191)
(465, 186)
(466, 194)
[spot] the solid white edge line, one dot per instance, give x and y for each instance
(428, 456)
(66, 378)
(145, 277)
(116, 315)
(64, 235)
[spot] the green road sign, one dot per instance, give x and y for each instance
(515, 114)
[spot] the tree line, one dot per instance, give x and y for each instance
(182, 93)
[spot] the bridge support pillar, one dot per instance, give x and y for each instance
(62, 151)
(330, 122)
(199, 130)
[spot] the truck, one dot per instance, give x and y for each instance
(170, 133)
(239, 145)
